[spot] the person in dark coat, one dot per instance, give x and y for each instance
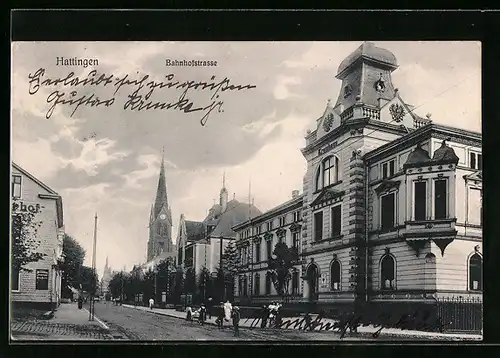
(220, 315)
(236, 321)
(264, 316)
(203, 314)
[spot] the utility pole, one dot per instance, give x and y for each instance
(92, 302)
(223, 279)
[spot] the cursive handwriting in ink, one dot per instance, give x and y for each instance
(352, 322)
(142, 89)
(35, 80)
(57, 97)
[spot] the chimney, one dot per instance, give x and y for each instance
(295, 194)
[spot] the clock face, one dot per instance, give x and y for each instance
(163, 216)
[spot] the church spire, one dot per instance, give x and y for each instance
(223, 197)
(161, 192)
(105, 267)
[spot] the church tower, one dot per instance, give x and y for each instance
(160, 219)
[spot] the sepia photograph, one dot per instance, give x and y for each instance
(246, 191)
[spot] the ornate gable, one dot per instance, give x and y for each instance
(326, 196)
(474, 177)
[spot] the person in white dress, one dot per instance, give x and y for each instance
(228, 308)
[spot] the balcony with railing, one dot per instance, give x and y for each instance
(360, 110)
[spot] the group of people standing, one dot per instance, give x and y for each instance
(271, 315)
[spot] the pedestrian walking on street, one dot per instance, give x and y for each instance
(151, 303)
(203, 314)
(189, 315)
(210, 307)
(220, 316)
(236, 321)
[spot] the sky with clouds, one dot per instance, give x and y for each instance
(106, 159)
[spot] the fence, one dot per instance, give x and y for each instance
(459, 314)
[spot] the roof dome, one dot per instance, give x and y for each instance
(445, 154)
(370, 51)
(417, 156)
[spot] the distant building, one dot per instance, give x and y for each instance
(42, 286)
(160, 223)
(106, 278)
(256, 240)
(200, 243)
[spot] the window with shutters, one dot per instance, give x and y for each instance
(440, 199)
(388, 211)
(335, 276)
(420, 200)
(257, 251)
(388, 169)
(268, 284)
(256, 286)
(476, 161)
(16, 186)
(475, 204)
(328, 173)
(269, 249)
(336, 220)
(318, 226)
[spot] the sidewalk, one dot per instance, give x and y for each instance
(68, 323)
(365, 330)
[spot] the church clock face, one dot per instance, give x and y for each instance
(163, 216)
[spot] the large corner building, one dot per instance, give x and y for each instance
(391, 209)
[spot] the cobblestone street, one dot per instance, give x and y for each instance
(134, 324)
(42, 330)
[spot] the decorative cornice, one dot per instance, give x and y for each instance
(281, 232)
(327, 194)
(387, 185)
(295, 227)
(268, 236)
(426, 132)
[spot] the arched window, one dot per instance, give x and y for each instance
(430, 271)
(388, 273)
(475, 273)
(257, 284)
(335, 276)
(328, 173)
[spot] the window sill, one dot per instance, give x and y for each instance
(386, 230)
(432, 221)
(15, 291)
(333, 238)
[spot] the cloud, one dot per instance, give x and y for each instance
(282, 91)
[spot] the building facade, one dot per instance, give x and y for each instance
(202, 243)
(160, 222)
(256, 240)
(391, 203)
(39, 287)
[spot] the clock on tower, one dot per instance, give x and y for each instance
(163, 216)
